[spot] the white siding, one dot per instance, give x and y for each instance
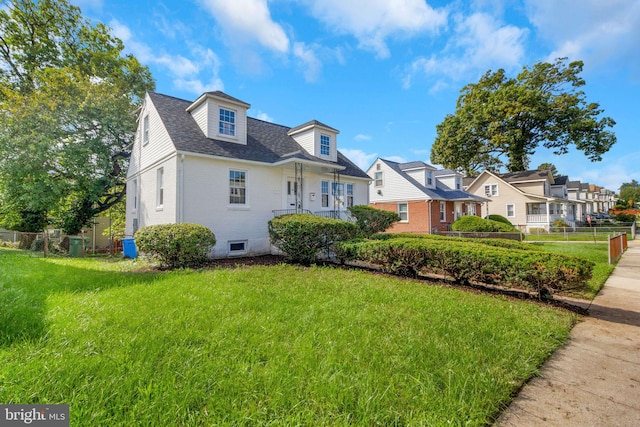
(199, 114)
(394, 188)
(306, 140)
(213, 115)
(148, 213)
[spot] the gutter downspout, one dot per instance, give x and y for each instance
(429, 219)
(180, 186)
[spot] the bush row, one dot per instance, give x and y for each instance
(177, 245)
(301, 237)
(471, 223)
(466, 262)
(501, 243)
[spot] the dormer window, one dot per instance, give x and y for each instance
(429, 178)
(227, 122)
(325, 145)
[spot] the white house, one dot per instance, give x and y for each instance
(207, 162)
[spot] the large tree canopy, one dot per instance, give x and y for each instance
(502, 121)
(67, 102)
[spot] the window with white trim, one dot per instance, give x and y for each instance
(491, 190)
(325, 145)
(145, 130)
(403, 212)
(160, 188)
(337, 189)
(237, 187)
(429, 178)
(378, 178)
(443, 211)
(227, 124)
(134, 193)
(324, 191)
(459, 183)
(349, 195)
(511, 211)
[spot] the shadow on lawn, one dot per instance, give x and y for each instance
(26, 282)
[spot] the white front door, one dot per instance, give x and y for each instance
(292, 191)
(457, 209)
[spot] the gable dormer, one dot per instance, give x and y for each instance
(421, 172)
(317, 139)
(221, 116)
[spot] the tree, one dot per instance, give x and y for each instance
(67, 97)
(549, 167)
(630, 192)
(502, 121)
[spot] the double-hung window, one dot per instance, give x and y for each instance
(349, 195)
(511, 210)
(324, 190)
(237, 187)
(227, 122)
(491, 190)
(378, 178)
(160, 188)
(443, 211)
(429, 178)
(403, 212)
(145, 130)
(325, 145)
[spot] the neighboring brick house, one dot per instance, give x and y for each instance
(207, 162)
(428, 200)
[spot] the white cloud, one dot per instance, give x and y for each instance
(186, 73)
(398, 159)
(479, 43)
(373, 21)
(362, 137)
(248, 21)
(360, 158)
(595, 31)
(308, 60)
(261, 115)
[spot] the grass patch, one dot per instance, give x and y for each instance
(595, 252)
(279, 345)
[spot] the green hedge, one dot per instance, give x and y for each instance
(302, 236)
(502, 243)
(465, 262)
(176, 245)
(471, 223)
(371, 220)
(499, 218)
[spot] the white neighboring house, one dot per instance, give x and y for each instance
(206, 162)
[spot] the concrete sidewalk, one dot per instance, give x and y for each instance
(594, 380)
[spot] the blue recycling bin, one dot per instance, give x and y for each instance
(129, 248)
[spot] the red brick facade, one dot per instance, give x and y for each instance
(423, 216)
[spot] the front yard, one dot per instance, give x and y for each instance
(280, 345)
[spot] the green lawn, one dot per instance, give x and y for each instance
(595, 252)
(279, 345)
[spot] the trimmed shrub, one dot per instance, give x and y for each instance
(302, 236)
(624, 217)
(502, 243)
(472, 223)
(465, 262)
(176, 245)
(499, 218)
(371, 220)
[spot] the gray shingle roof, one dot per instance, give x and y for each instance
(311, 123)
(441, 192)
(525, 175)
(266, 142)
(560, 180)
(573, 184)
(414, 165)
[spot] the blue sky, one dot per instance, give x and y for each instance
(385, 73)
